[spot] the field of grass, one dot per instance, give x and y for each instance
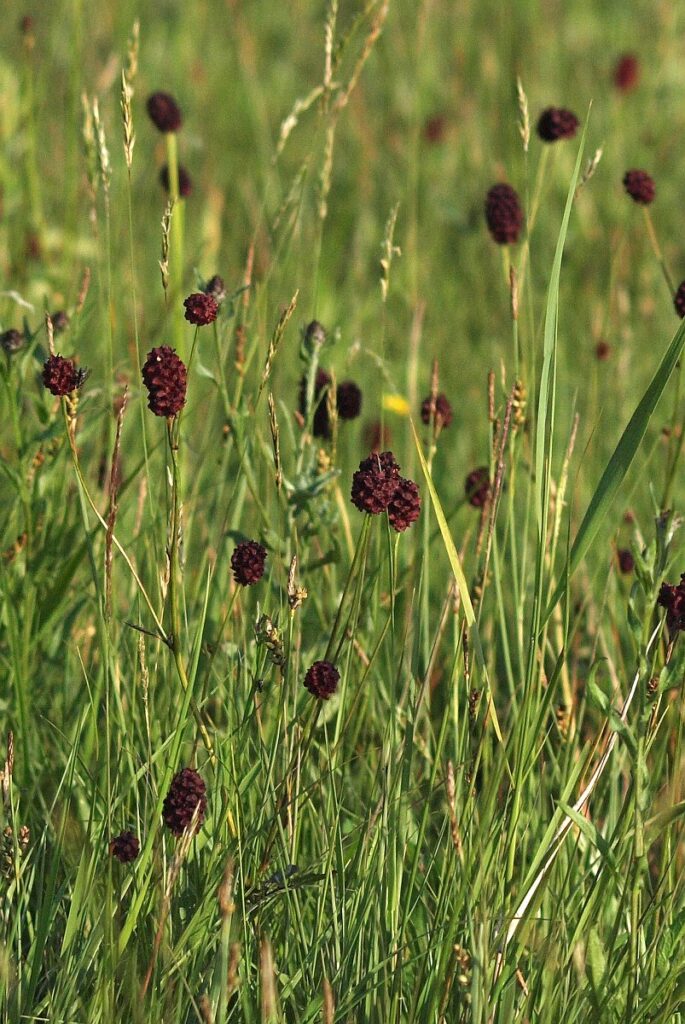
(483, 822)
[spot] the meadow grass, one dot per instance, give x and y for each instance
(484, 821)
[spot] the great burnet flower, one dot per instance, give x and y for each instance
(201, 309)
(555, 123)
(165, 378)
(11, 341)
(125, 847)
(185, 799)
(321, 424)
(185, 182)
(216, 288)
(164, 111)
(375, 482)
(640, 186)
(61, 376)
(672, 598)
(477, 486)
(247, 562)
(405, 505)
(626, 562)
(503, 214)
(679, 300)
(442, 411)
(627, 72)
(322, 679)
(348, 400)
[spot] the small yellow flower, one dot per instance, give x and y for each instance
(397, 404)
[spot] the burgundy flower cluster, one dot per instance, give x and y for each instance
(556, 123)
(440, 412)
(247, 563)
(503, 214)
(348, 402)
(377, 486)
(61, 376)
(166, 379)
(186, 798)
(322, 680)
(640, 186)
(672, 598)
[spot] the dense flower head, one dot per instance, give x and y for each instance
(503, 214)
(201, 309)
(405, 505)
(11, 341)
(185, 182)
(125, 847)
(247, 562)
(165, 378)
(322, 679)
(375, 482)
(679, 300)
(348, 400)
(626, 562)
(164, 112)
(640, 186)
(321, 425)
(602, 350)
(216, 288)
(626, 72)
(61, 376)
(59, 320)
(556, 123)
(442, 410)
(477, 486)
(315, 334)
(672, 598)
(186, 796)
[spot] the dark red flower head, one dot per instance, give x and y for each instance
(247, 562)
(216, 288)
(348, 400)
(442, 411)
(556, 123)
(201, 309)
(627, 72)
(321, 426)
(60, 376)
(503, 214)
(434, 129)
(125, 847)
(477, 486)
(405, 505)
(679, 300)
(186, 796)
(165, 378)
(375, 482)
(672, 598)
(640, 186)
(11, 341)
(602, 351)
(322, 679)
(164, 112)
(626, 562)
(185, 182)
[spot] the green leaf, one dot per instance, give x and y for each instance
(596, 961)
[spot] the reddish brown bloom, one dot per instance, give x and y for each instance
(405, 505)
(185, 182)
(555, 123)
(442, 413)
(247, 563)
(59, 320)
(186, 798)
(626, 562)
(348, 400)
(477, 486)
(322, 679)
(216, 288)
(434, 129)
(165, 378)
(321, 425)
(60, 376)
(602, 350)
(503, 214)
(640, 186)
(164, 112)
(672, 598)
(627, 72)
(201, 309)
(679, 300)
(125, 847)
(375, 482)
(11, 341)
